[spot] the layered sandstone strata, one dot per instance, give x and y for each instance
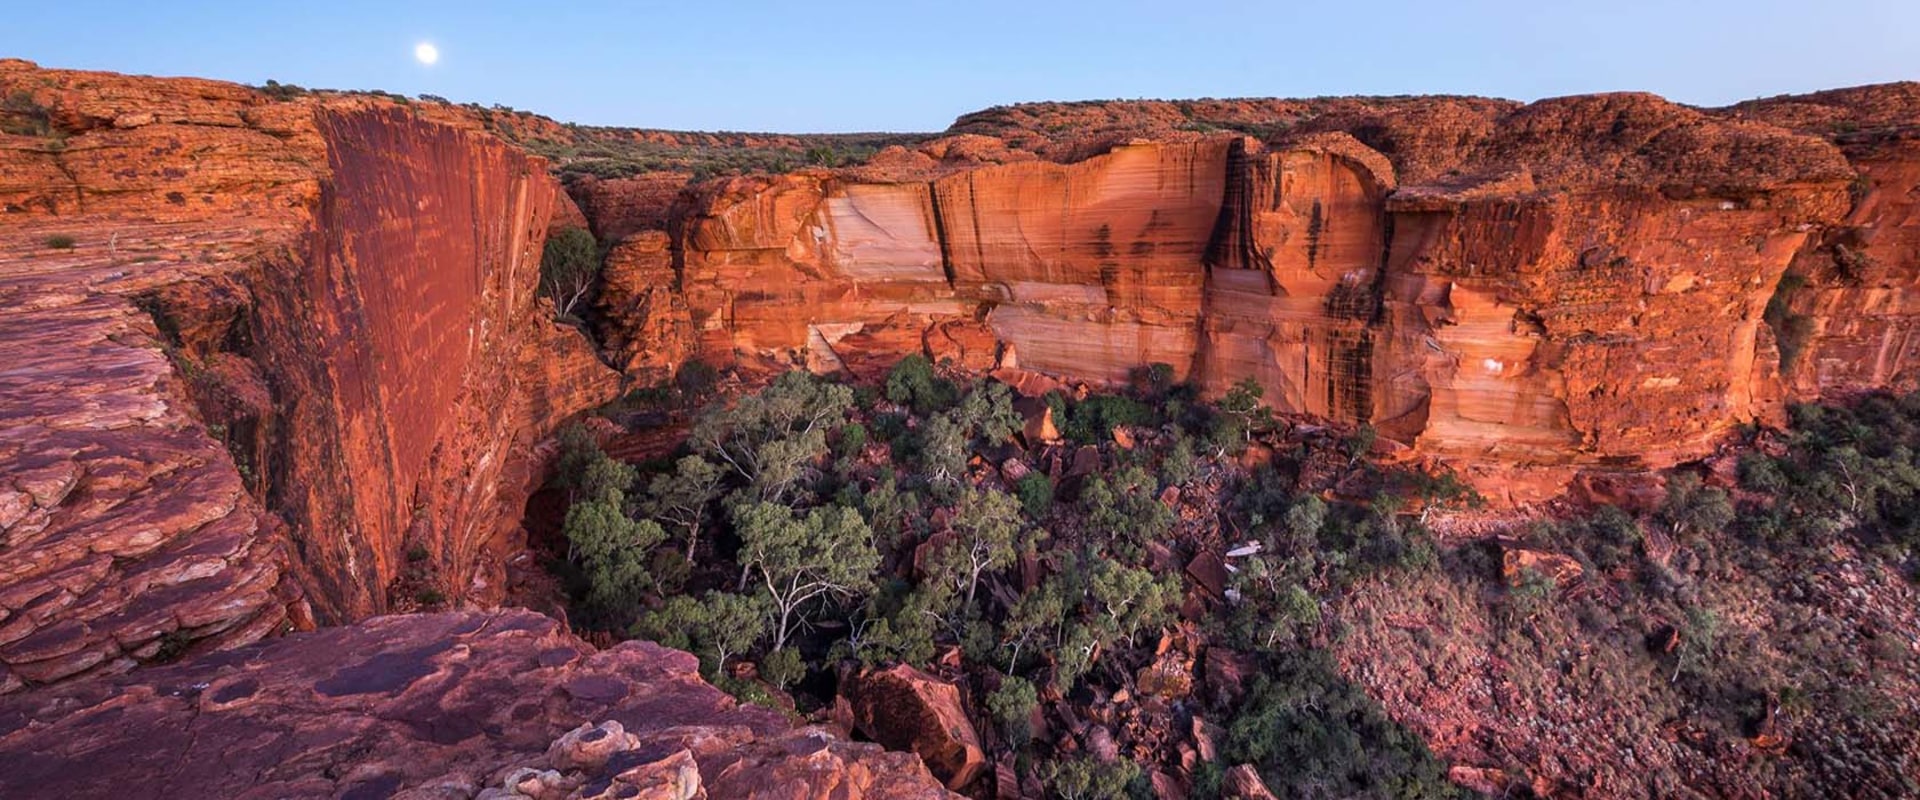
(1522, 291)
(260, 353)
(433, 705)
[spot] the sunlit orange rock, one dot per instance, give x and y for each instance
(1526, 292)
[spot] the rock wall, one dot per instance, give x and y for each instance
(418, 366)
(248, 374)
(1576, 284)
(1850, 306)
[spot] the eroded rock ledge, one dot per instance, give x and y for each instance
(430, 705)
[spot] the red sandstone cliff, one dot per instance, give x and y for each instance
(1525, 292)
(260, 351)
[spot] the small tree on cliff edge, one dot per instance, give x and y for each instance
(569, 267)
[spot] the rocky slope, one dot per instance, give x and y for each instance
(267, 356)
(1527, 292)
(503, 704)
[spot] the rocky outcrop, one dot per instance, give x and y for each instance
(436, 705)
(1848, 311)
(262, 350)
(620, 207)
(906, 709)
(1525, 292)
(418, 364)
(646, 326)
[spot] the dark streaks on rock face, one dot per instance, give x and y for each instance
(397, 703)
(1364, 259)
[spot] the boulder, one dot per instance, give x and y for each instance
(1516, 562)
(1243, 783)
(906, 709)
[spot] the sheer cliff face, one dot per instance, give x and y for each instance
(1523, 291)
(1851, 303)
(288, 342)
(421, 370)
(1295, 272)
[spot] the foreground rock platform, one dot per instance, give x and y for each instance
(429, 705)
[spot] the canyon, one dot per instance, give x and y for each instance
(274, 363)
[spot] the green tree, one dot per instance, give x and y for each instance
(1036, 494)
(892, 512)
(986, 527)
(1360, 443)
(987, 413)
(1179, 465)
(1126, 504)
(1443, 490)
(569, 269)
(1692, 508)
(829, 553)
(681, 497)
(606, 480)
(1038, 620)
(900, 624)
(715, 627)
(1241, 413)
(944, 451)
(783, 668)
(1092, 421)
(1273, 607)
(612, 550)
(852, 439)
(1129, 600)
(768, 438)
(1084, 778)
(578, 449)
(1011, 707)
(1305, 518)
(912, 383)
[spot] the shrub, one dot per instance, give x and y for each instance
(696, 380)
(1314, 734)
(1036, 494)
(1086, 779)
(1179, 465)
(60, 242)
(22, 116)
(1093, 420)
(912, 383)
(852, 439)
(783, 668)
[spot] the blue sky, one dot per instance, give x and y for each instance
(855, 66)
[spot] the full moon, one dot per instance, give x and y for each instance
(426, 53)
